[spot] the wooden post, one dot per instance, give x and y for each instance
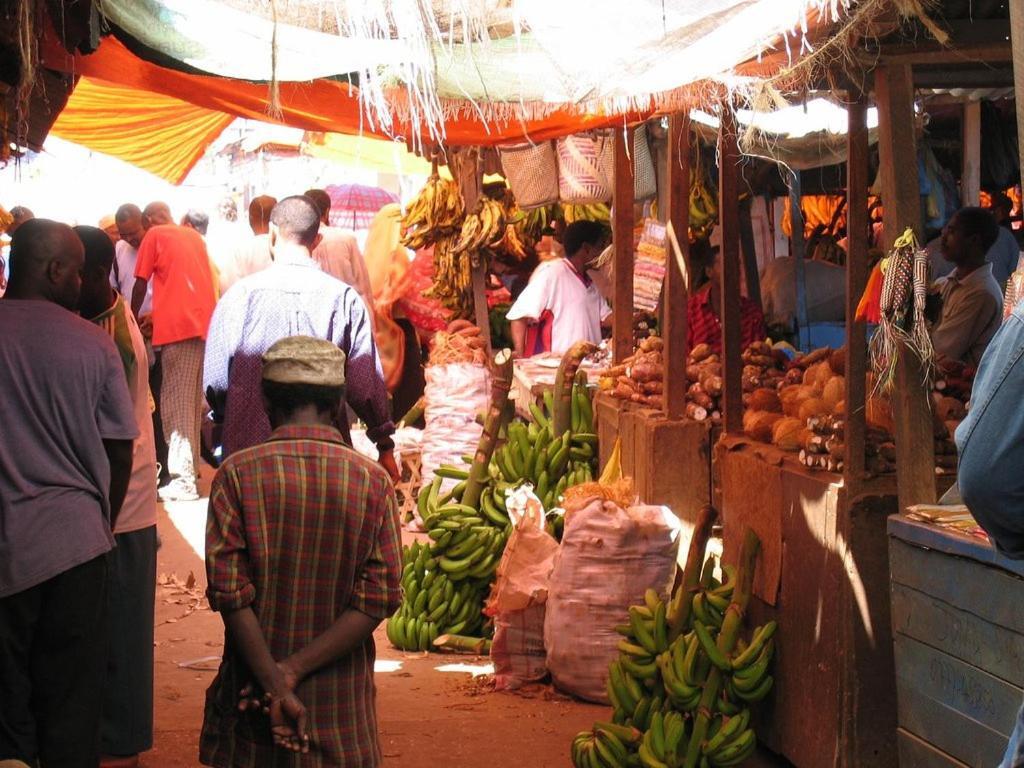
(797, 243)
(728, 219)
(622, 239)
(750, 273)
(677, 290)
(856, 280)
(466, 167)
(1017, 41)
(970, 176)
(901, 202)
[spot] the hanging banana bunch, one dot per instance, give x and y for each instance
(436, 212)
(703, 200)
(485, 227)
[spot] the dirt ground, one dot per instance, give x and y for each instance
(433, 710)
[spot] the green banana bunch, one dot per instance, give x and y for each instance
(551, 463)
(657, 682)
(730, 740)
(431, 604)
(664, 743)
(606, 745)
(749, 681)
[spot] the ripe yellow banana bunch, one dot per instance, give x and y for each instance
(590, 212)
(511, 245)
(436, 211)
(484, 227)
(703, 206)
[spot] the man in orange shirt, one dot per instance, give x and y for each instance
(176, 260)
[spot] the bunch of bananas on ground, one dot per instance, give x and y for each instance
(606, 745)
(457, 566)
(435, 212)
(552, 463)
(434, 602)
(657, 683)
(748, 679)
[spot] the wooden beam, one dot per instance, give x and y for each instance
(676, 293)
(984, 53)
(857, 225)
(1017, 41)
(622, 239)
(728, 219)
(975, 77)
(970, 175)
(901, 200)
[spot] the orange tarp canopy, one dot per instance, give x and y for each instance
(120, 87)
(160, 134)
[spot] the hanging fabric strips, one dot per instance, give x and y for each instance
(906, 273)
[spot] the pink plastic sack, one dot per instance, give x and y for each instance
(517, 603)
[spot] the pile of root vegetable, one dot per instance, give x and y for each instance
(807, 415)
(445, 582)
(460, 342)
(686, 676)
(640, 378)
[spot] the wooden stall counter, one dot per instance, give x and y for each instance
(668, 459)
(959, 640)
(823, 575)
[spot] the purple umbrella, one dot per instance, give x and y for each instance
(353, 206)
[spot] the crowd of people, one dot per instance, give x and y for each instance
(121, 339)
(117, 341)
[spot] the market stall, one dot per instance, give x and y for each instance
(826, 564)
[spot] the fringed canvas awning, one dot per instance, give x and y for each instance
(424, 67)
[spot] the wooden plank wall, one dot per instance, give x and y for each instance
(959, 643)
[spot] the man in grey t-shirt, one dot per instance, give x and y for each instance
(67, 428)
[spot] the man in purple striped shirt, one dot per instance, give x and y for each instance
(292, 297)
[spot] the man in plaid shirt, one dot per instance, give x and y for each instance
(303, 559)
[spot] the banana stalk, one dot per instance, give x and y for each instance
(497, 417)
(726, 642)
(414, 413)
(691, 573)
(474, 645)
(561, 420)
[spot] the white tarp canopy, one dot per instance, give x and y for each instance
(493, 57)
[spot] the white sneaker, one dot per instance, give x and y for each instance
(178, 490)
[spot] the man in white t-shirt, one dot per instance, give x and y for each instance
(132, 226)
(338, 253)
(561, 305)
(252, 254)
